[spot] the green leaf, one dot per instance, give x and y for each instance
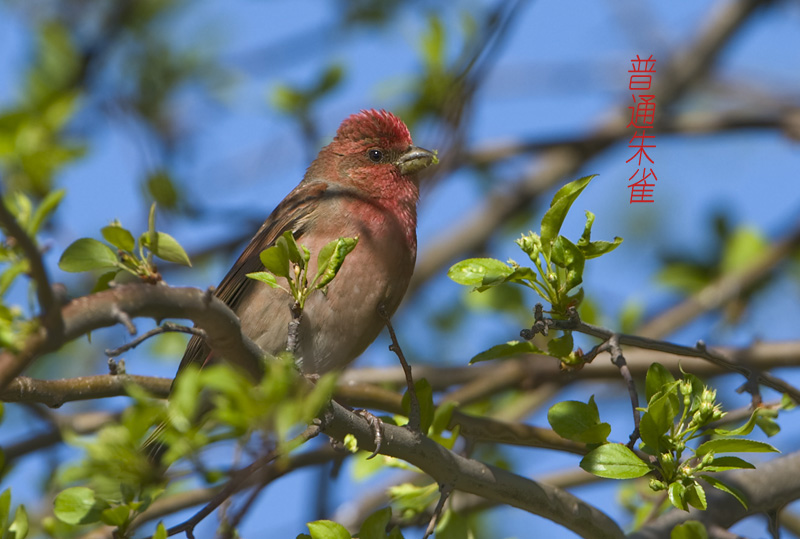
(330, 259)
(561, 347)
(119, 237)
(614, 461)
(276, 260)
(425, 397)
(442, 417)
(116, 516)
(578, 421)
(768, 425)
(721, 464)
(744, 247)
(166, 248)
(599, 248)
(43, 211)
(374, 526)
(734, 445)
(696, 496)
(19, 526)
(265, 277)
(161, 532)
(593, 249)
(691, 529)
(75, 506)
(745, 429)
(724, 487)
(87, 254)
(567, 255)
(327, 529)
(663, 408)
(677, 495)
(162, 189)
(658, 377)
(509, 349)
(5, 507)
(479, 272)
(554, 217)
(651, 434)
(104, 281)
(288, 242)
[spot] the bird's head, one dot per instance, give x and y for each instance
(373, 151)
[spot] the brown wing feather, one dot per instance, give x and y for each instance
(293, 214)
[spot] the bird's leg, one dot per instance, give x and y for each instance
(414, 412)
(377, 429)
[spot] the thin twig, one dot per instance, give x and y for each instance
(234, 485)
(574, 323)
(166, 327)
(414, 416)
(48, 303)
(445, 490)
(619, 360)
(293, 336)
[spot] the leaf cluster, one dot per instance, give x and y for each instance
(290, 261)
(556, 276)
(124, 253)
(678, 413)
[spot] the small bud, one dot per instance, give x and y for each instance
(657, 485)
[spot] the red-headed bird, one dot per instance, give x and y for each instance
(364, 183)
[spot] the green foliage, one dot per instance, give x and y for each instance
(579, 422)
(116, 480)
(290, 261)
(426, 408)
(15, 327)
(556, 276)
(326, 529)
(691, 529)
(678, 412)
(411, 500)
(88, 254)
(614, 461)
(375, 526)
(34, 145)
(298, 102)
(16, 528)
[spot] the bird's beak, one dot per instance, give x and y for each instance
(415, 159)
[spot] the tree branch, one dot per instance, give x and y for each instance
(103, 309)
(468, 475)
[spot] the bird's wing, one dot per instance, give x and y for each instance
(293, 213)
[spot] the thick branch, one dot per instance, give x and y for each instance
(105, 309)
(54, 393)
(467, 475)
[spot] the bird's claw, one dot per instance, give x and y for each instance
(377, 429)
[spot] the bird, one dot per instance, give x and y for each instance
(364, 184)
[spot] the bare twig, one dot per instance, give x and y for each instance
(699, 351)
(619, 361)
(414, 420)
(437, 512)
(166, 327)
(236, 482)
(48, 303)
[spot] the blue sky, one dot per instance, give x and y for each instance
(559, 72)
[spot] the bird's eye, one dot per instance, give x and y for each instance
(375, 156)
